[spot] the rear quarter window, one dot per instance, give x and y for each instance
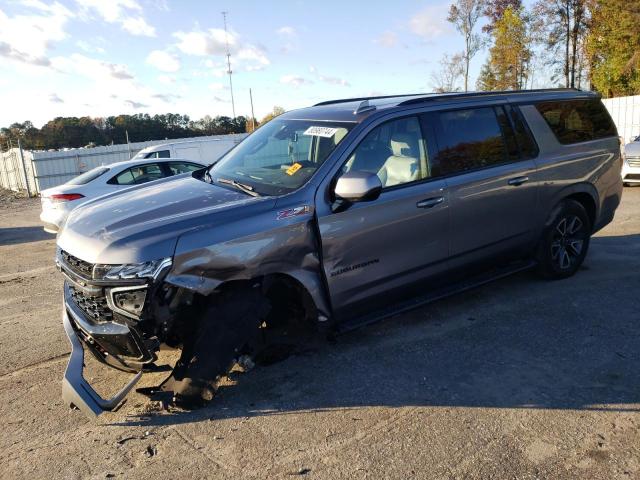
(576, 121)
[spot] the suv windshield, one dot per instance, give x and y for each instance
(280, 156)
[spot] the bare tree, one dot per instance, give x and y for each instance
(451, 69)
(561, 26)
(464, 15)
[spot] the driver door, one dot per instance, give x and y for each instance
(375, 250)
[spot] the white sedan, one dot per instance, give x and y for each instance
(58, 201)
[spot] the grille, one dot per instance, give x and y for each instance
(94, 306)
(80, 267)
(633, 161)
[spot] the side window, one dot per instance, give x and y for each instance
(138, 174)
(176, 168)
(509, 136)
(159, 154)
(123, 178)
(395, 151)
(468, 140)
(576, 121)
(528, 146)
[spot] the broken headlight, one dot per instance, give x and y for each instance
(128, 301)
(130, 271)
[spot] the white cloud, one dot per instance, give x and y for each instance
(329, 80)
(128, 13)
(138, 26)
(87, 47)
(216, 87)
(28, 38)
(287, 31)
(110, 10)
(431, 22)
(295, 80)
(388, 39)
(163, 61)
(214, 42)
(135, 105)
(166, 79)
(53, 98)
(97, 70)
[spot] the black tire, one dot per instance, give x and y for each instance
(565, 241)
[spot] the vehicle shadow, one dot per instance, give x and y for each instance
(517, 343)
(17, 235)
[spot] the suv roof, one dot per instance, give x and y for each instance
(355, 110)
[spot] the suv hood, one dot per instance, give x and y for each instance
(143, 223)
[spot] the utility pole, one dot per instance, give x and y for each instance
(126, 133)
(226, 39)
(24, 169)
(253, 117)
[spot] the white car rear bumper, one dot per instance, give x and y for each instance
(53, 218)
(631, 170)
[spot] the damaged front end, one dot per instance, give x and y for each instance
(107, 311)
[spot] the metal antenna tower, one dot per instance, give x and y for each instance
(226, 39)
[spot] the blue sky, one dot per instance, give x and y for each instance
(105, 57)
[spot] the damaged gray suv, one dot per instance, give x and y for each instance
(331, 217)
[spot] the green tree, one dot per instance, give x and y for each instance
(507, 67)
(613, 47)
(494, 10)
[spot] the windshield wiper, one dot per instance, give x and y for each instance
(248, 189)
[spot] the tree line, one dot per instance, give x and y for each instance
(588, 44)
(74, 132)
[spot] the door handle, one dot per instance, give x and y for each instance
(517, 181)
(430, 202)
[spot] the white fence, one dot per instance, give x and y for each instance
(37, 171)
(625, 112)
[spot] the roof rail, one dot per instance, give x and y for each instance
(448, 95)
(360, 99)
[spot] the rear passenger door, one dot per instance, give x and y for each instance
(491, 178)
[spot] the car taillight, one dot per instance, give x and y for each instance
(65, 197)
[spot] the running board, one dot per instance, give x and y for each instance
(432, 296)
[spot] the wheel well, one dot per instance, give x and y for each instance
(291, 303)
(588, 203)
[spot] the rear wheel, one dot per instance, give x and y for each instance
(565, 241)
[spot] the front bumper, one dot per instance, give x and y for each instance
(76, 390)
(112, 343)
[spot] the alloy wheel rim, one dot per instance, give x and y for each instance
(568, 242)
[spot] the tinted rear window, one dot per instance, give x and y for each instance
(159, 154)
(577, 121)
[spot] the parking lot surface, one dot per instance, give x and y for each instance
(522, 378)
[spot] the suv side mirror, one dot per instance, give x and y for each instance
(358, 187)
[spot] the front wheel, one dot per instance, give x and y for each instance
(565, 241)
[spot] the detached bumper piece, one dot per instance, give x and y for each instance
(76, 390)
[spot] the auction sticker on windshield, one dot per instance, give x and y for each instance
(327, 132)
